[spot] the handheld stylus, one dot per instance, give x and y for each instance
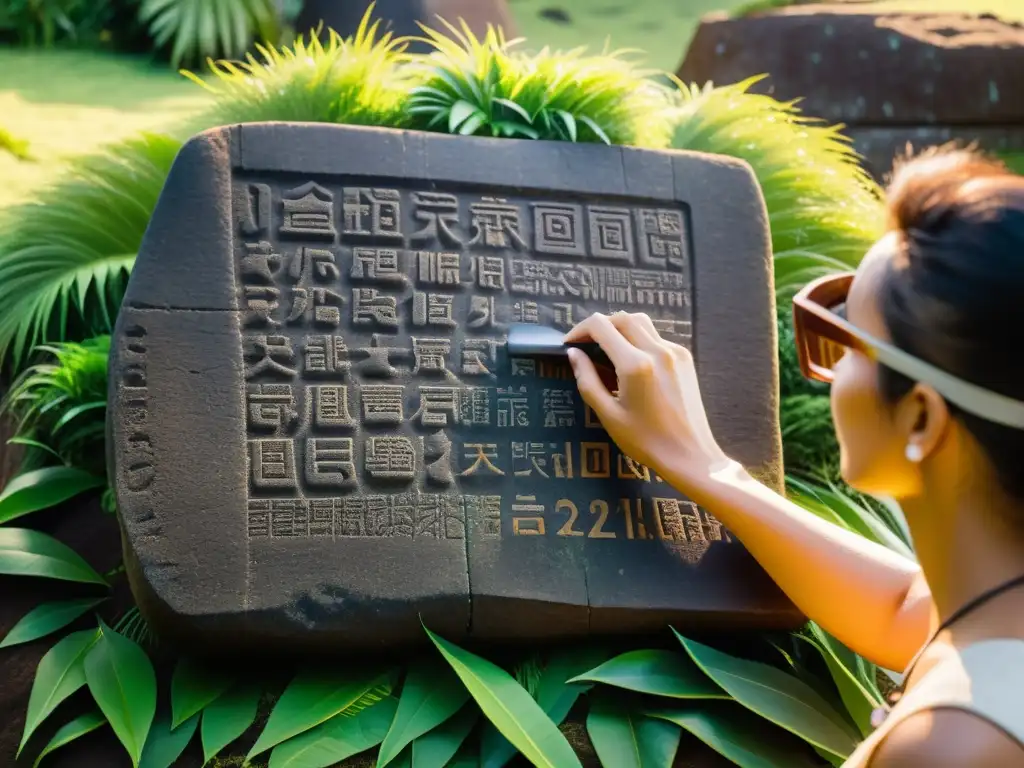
(529, 340)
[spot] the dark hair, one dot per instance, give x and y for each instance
(954, 294)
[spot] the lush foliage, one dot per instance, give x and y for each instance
(356, 81)
(59, 406)
(196, 29)
(780, 700)
(823, 207)
(188, 30)
(65, 258)
(44, 22)
(483, 87)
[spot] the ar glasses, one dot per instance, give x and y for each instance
(823, 336)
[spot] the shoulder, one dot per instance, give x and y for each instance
(947, 738)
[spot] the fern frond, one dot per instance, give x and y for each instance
(65, 258)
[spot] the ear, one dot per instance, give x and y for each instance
(923, 417)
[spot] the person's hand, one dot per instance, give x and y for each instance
(657, 418)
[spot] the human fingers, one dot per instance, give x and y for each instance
(592, 388)
(624, 355)
(640, 333)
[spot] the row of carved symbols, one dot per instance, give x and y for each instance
(265, 307)
(330, 462)
(277, 408)
(316, 272)
(138, 468)
(445, 517)
(265, 264)
(412, 516)
(275, 355)
(667, 519)
(653, 236)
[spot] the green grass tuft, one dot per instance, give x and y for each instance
(59, 406)
(357, 81)
(825, 210)
(485, 87)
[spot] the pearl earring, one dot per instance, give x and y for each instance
(914, 453)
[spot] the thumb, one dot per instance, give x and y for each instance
(591, 387)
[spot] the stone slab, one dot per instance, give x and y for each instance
(848, 65)
(879, 145)
(318, 438)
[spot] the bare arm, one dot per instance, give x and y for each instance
(873, 600)
(870, 598)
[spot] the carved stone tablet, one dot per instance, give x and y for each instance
(318, 435)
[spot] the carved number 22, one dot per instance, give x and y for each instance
(597, 507)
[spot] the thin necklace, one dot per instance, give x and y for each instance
(878, 715)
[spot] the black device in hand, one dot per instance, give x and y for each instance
(529, 340)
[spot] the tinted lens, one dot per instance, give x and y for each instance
(819, 347)
(826, 353)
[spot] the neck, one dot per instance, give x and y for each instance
(963, 542)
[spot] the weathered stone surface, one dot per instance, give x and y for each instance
(879, 144)
(319, 439)
(850, 66)
(927, 78)
(402, 17)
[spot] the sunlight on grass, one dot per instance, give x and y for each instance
(67, 103)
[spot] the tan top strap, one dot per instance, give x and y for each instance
(985, 678)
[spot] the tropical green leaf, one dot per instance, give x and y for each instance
(316, 696)
(123, 683)
(44, 488)
(626, 738)
(48, 618)
(431, 694)
(776, 696)
(436, 748)
(657, 672)
(337, 739)
(193, 687)
(831, 504)
(555, 693)
(80, 726)
(739, 735)
(165, 744)
(60, 673)
(865, 672)
(509, 707)
(859, 700)
(25, 552)
(228, 717)
(460, 112)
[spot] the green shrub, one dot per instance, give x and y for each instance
(825, 211)
(46, 22)
(197, 29)
(65, 258)
(59, 406)
(484, 87)
(356, 81)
